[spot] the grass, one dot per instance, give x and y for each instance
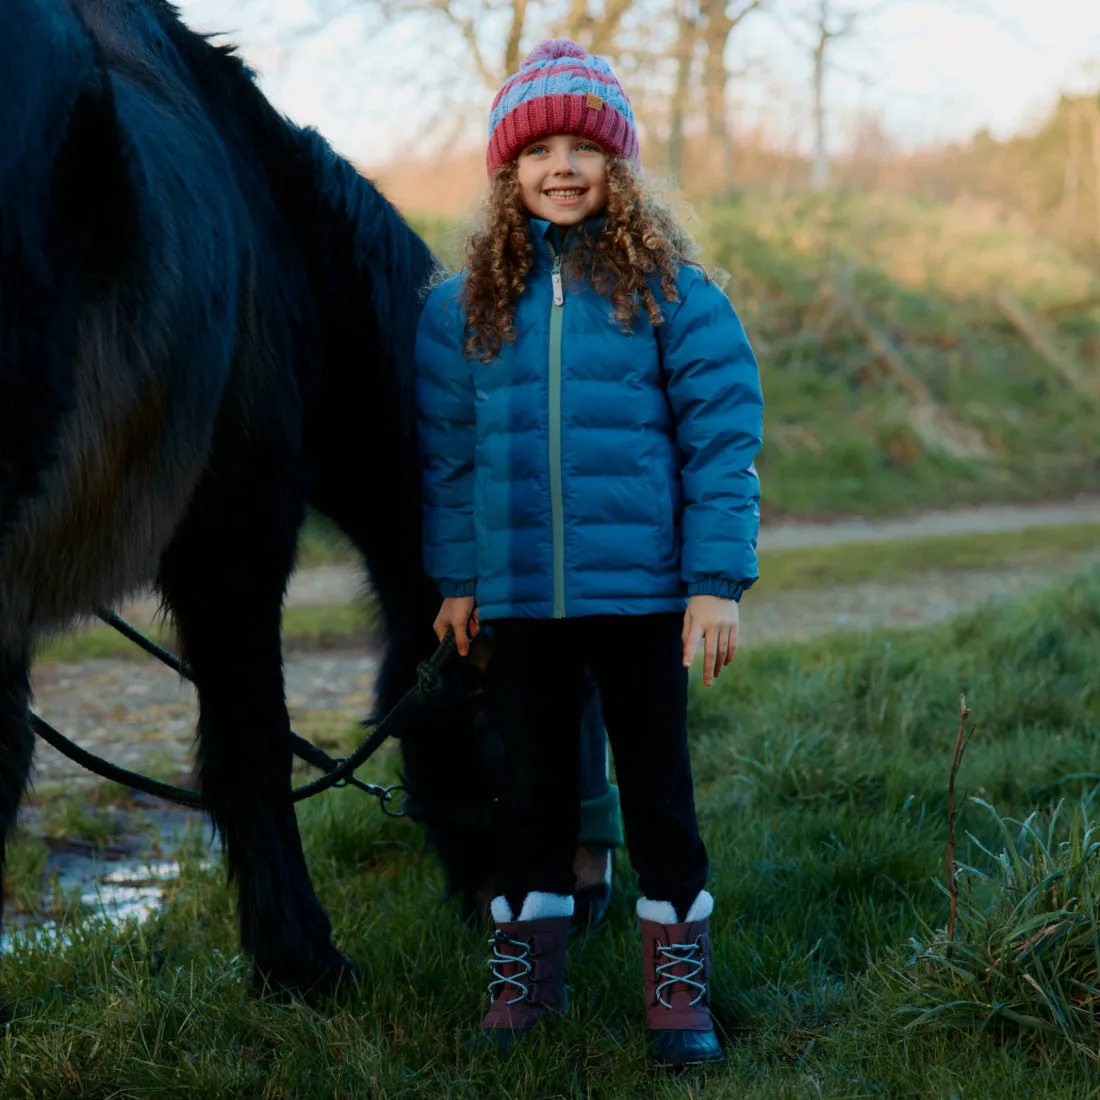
(333, 626)
(322, 543)
(1024, 953)
(25, 867)
(305, 627)
(839, 437)
(821, 774)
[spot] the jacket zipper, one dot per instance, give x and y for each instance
(557, 521)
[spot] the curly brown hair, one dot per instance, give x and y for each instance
(641, 237)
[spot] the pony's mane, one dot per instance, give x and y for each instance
(350, 231)
(371, 236)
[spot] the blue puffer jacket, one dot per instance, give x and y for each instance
(586, 471)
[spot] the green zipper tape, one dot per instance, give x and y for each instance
(557, 519)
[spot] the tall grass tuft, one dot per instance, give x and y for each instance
(1025, 954)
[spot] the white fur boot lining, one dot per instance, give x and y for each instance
(536, 906)
(662, 912)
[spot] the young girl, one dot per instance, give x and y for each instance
(590, 410)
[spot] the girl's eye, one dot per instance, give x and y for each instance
(533, 150)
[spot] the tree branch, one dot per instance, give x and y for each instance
(515, 36)
(467, 27)
(605, 30)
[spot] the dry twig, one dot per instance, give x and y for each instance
(1065, 309)
(932, 423)
(1046, 346)
(961, 741)
(888, 357)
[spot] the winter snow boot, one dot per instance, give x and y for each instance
(528, 965)
(676, 969)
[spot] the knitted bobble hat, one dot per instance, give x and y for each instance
(560, 89)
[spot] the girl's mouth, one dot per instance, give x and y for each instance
(565, 194)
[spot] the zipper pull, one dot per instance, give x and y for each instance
(555, 278)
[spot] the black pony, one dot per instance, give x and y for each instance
(206, 324)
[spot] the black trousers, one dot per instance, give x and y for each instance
(539, 672)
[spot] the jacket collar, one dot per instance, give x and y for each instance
(545, 235)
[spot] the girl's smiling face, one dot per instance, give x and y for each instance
(563, 178)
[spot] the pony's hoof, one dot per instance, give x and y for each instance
(474, 905)
(335, 978)
(594, 867)
(589, 907)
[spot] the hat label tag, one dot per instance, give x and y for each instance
(594, 102)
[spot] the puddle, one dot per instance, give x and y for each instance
(121, 881)
(133, 891)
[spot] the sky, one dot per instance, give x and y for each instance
(932, 70)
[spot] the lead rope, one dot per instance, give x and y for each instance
(338, 771)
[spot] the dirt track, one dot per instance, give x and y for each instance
(141, 714)
(986, 519)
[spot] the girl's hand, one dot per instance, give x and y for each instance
(457, 611)
(716, 620)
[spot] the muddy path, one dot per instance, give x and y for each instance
(981, 520)
(140, 714)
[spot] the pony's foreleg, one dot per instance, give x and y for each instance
(223, 577)
(16, 738)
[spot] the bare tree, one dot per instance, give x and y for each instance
(659, 42)
(703, 28)
(722, 18)
(494, 33)
(684, 49)
(596, 28)
(1072, 178)
(471, 20)
(826, 24)
(1094, 134)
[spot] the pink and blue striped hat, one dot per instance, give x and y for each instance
(560, 89)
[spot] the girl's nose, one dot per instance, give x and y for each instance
(562, 164)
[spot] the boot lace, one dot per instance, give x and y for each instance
(681, 954)
(500, 958)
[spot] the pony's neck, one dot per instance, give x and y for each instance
(364, 270)
(368, 271)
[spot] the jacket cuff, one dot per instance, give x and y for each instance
(457, 589)
(716, 586)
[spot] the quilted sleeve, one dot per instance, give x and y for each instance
(714, 388)
(447, 439)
